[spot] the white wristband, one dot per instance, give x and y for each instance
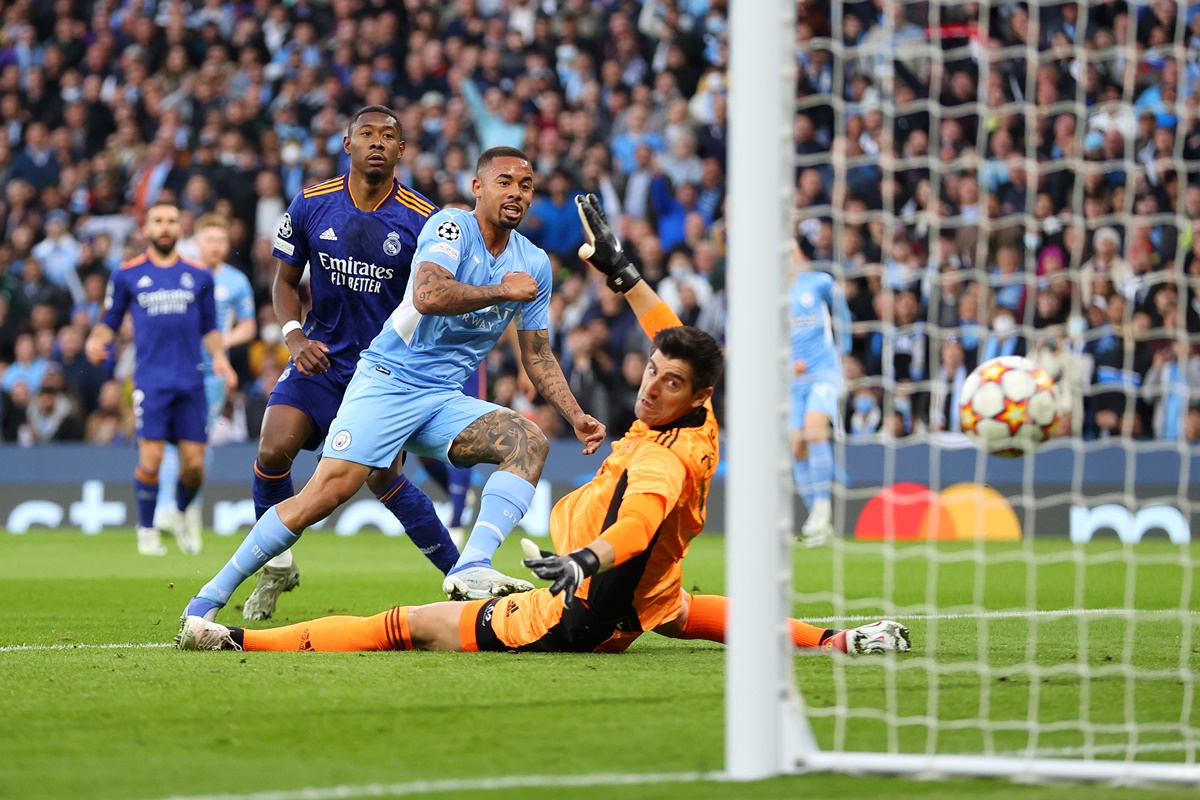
(289, 326)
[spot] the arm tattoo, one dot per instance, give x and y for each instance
(436, 292)
(546, 373)
(506, 438)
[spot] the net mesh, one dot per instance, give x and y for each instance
(989, 179)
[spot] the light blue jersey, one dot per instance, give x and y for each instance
(443, 352)
(406, 392)
(235, 302)
(816, 305)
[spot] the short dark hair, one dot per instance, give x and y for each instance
(697, 348)
(375, 109)
(492, 153)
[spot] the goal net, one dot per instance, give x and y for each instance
(983, 179)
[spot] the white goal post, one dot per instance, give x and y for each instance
(769, 728)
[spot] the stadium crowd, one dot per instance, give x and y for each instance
(955, 224)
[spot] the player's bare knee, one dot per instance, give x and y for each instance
(435, 626)
(273, 454)
(816, 435)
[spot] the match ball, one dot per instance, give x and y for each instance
(1008, 406)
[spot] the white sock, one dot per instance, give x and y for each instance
(281, 561)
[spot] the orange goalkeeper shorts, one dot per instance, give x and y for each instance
(531, 622)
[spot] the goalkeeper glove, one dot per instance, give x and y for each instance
(602, 249)
(567, 572)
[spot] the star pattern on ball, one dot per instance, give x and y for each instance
(1013, 414)
(969, 418)
(1043, 380)
(993, 372)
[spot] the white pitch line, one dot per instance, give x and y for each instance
(13, 648)
(465, 785)
(1162, 613)
(1168, 613)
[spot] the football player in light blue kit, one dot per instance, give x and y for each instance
(816, 305)
(474, 273)
(234, 298)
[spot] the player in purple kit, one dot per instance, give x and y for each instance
(357, 234)
(174, 312)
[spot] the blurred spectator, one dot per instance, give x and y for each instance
(27, 369)
(947, 388)
(112, 421)
(59, 254)
(51, 415)
(553, 221)
(36, 163)
(1004, 340)
(682, 278)
(1055, 353)
(84, 378)
(15, 403)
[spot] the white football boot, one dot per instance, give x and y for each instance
(818, 528)
(187, 530)
(884, 636)
(149, 542)
(482, 583)
(272, 582)
(197, 633)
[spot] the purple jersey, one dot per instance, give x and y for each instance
(172, 308)
(359, 262)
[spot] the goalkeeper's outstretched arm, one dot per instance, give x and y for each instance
(603, 250)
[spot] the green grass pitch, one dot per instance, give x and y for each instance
(150, 722)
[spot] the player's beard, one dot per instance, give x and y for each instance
(161, 249)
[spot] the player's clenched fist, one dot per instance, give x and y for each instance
(519, 286)
(310, 357)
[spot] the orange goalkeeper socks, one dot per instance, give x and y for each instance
(385, 631)
(706, 620)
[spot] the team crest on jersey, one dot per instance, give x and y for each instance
(186, 281)
(285, 226)
(341, 440)
(145, 281)
(221, 293)
(806, 299)
(391, 245)
(449, 231)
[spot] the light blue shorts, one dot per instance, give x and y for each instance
(382, 415)
(820, 396)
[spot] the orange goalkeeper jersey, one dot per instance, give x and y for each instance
(675, 462)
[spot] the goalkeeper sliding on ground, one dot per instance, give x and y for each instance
(619, 540)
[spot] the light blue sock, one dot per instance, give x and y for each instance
(802, 475)
(504, 500)
(820, 455)
(168, 476)
(267, 539)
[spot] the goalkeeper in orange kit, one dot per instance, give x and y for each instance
(619, 540)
